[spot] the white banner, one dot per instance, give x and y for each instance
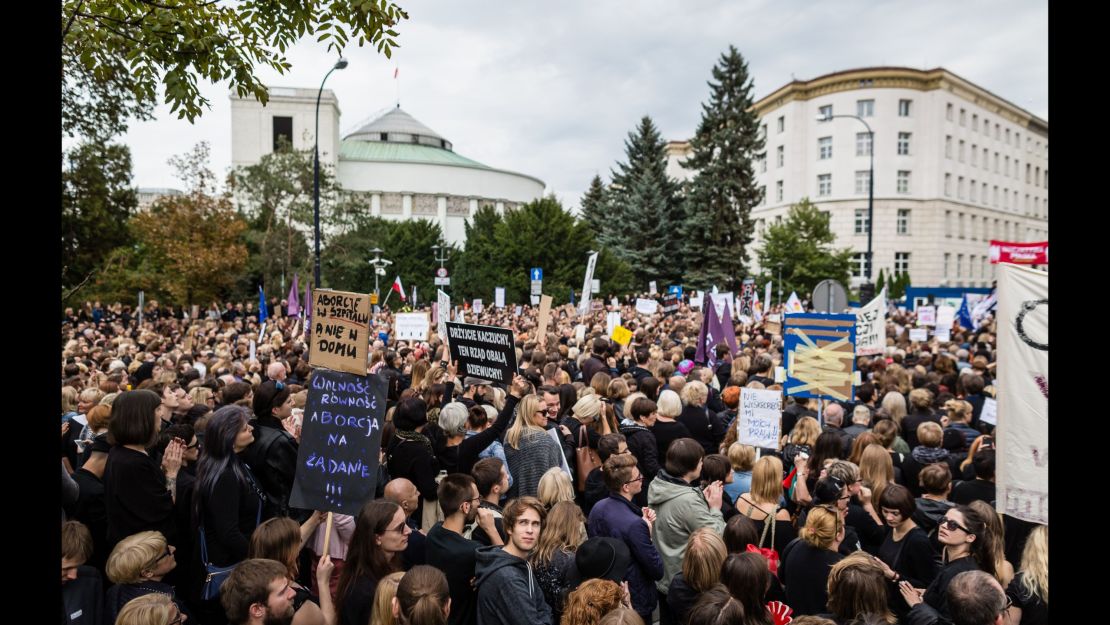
(767, 297)
(646, 306)
(587, 285)
(926, 315)
(580, 335)
(443, 302)
(499, 297)
(871, 326)
(943, 335)
(945, 316)
(760, 418)
(411, 326)
(1022, 393)
(612, 320)
(921, 335)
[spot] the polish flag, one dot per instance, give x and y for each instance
(400, 289)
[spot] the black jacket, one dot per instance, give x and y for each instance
(591, 366)
(704, 425)
(507, 590)
(641, 442)
(413, 460)
(83, 598)
(273, 459)
(135, 496)
(230, 512)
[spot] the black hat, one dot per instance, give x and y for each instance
(601, 558)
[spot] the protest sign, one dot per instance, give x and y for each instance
(337, 460)
(820, 355)
(652, 288)
(921, 335)
(544, 320)
(927, 316)
(773, 324)
(518, 310)
(1019, 253)
(670, 304)
(499, 297)
(990, 411)
(760, 418)
(442, 311)
(945, 316)
(646, 306)
(614, 302)
(767, 296)
(411, 326)
(793, 304)
(477, 307)
(483, 351)
(747, 297)
(587, 285)
(943, 334)
(697, 299)
(1021, 387)
(621, 335)
(719, 301)
(612, 320)
(580, 334)
(340, 330)
(253, 351)
(871, 326)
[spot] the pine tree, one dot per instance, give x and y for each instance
(595, 209)
(718, 226)
(881, 281)
(645, 213)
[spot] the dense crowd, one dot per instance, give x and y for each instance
(605, 485)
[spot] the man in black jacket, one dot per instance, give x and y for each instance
(640, 372)
(82, 589)
(272, 456)
(596, 363)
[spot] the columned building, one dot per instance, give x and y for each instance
(399, 167)
(955, 166)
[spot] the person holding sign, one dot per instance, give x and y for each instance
(273, 454)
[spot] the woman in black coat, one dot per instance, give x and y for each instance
(228, 500)
(410, 453)
(906, 553)
(641, 442)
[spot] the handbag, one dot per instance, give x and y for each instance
(588, 460)
(215, 576)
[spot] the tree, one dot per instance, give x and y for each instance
(802, 245)
(190, 247)
(116, 54)
(345, 262)
(595, 209)
(644, 222)
(97, 200)
(409, 246)
(881, 281)
(718, 227)
(478, 267)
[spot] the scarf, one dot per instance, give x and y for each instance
(929, 455)
(414, 437)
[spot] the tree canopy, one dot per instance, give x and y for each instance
(803, 246)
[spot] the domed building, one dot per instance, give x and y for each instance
(401, 167)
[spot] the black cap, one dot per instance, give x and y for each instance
(601, 558)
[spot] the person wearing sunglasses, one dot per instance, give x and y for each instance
(962, 534)
(151, 609)
(380, 538)
(137, 566)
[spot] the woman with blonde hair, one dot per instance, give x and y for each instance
(553, 558)
(422, 598)
(136, 566)
(860, 443)
(592, 600)
(802, 439)
(806, 563)
(530, 452)
(382, 612)
(762, 503)
(151, 609)
(1029, 589)
(281, 539)
(876, 470)
(706, 428)
(701, 570)
(555, 486)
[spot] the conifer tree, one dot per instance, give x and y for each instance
(595, 209)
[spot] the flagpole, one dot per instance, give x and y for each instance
(387, 297)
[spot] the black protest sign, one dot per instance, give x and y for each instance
(670, 304)
(483, 351)
(337, 464)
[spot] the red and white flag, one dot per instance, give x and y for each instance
(400, 289)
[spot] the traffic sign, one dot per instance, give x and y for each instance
(537, 287)
(596, 287)
(537, 273)
(441, 272)
(443, 281)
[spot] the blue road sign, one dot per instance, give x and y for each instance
(674, 289)
(537, 273)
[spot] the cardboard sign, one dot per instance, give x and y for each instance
(927, 316)
(580, 334)
(773, 327)
(871, 327)
(499, 297)
(340, 330)
(747, 298)
(443, 309)
(820, 352)
(989, 413)
(646, 306)
(760, 418)
(719, 301)
(921, 335)
(485, 352)
(518, 310)
(544, 320)
(337, 460)
(621, 335)
(411, 326)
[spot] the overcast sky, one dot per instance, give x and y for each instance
(552, 89)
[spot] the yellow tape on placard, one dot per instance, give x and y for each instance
(821, 368)
(621, 335)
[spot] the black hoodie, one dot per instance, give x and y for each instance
(507, 590)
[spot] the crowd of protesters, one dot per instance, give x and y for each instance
(604, 485)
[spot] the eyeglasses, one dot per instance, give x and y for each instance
(639, 479)
(399, 529)
(195, 445)
(951, 525)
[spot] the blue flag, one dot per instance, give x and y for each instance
(964, 315)
(261, 305)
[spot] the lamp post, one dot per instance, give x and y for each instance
(440, 251)
(379, 264)
(870, 188)
(340, 64)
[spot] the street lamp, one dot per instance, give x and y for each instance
(340, 64)
(379, 264)
(440, 256)
(870, 187)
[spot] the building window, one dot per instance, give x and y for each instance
(986, 158)
(1017, 140)
(974, 122)
(947, 262)
(1006, 171)
(971, 266)
(863, 182)
(902, 262)
(1006, 198)
(961, 153)
(1028, 173)
(1007, 136)
(947, 185)
(974, 155)
(865, 108)
(1017, 169)
(824, 185)
(859, 264)
(959, 266)
(778, 191)
(948, 111)
(862, 223)
(903, 221)
(780, 155)
(983, 267)
(984, 194)
(948, 146)
(961, 189)
(974, 228)
(996, 169)
(903, 143)
(283, 132)
(948, 224)
(963, 117)
(904, 108)
(971, 196)
(1046, 180)
(824, 148)
(863, 144)
(995, 196)
(997, 132)
(1037, 179)
(996, 232)
(384, 136)
(782, 123)
(903, 181)
(961, 223)
(825, 111)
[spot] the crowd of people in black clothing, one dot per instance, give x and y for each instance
(604, 485)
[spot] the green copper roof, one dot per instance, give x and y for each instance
(384, 151)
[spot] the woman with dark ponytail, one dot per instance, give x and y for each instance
(967, 545)
(423, 597)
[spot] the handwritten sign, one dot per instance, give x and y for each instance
(443, 310)
(927, 316)
(499, 297)
(652, 289)
(989, 413)
(646, 306)
(477, 307)
(820, 355)
(337, 462)
(621, 335)
(760, 419)
(340, 330)
(945, 316)
(919, 335)
(943, 335)
(871, 327)
(612, 320)
(580, 334)
(545, 319)
(485, 352)
(670, 304)
(411, 326)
